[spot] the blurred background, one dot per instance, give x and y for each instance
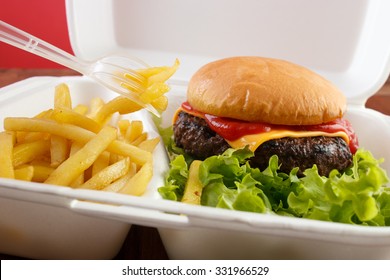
(46, 19)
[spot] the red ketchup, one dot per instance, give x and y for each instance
(232, 129)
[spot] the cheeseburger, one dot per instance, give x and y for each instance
(272, 106)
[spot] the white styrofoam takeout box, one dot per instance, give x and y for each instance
(42, 221)
(345, 41)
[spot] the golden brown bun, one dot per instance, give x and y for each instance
(267, 90)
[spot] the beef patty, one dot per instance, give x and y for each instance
(198, 140)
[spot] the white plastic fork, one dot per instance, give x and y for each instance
(108, 71)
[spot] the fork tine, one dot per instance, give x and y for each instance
(119, 79)
(121, 75)
(128, 72)
(132, 87)
(134, 76)
(125, 76)
(127, 88)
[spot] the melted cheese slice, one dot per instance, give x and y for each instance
(253, 141)
(176, 114)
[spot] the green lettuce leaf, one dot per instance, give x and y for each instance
(359, 195)
(175, 180)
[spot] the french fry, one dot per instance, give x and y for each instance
(120, 183)
(81, 178)
(62, 97)
(22, 136)
(154, 91)
(114, 158)
(70, 169)
(160, 103)
(148, 72)
(67, 131)
(68, 116)
(31, 136)
(193, 188)
(159, 74)
(135, 154)
(139, 182)
(155, 85)
(123, 125)
(6, 147)
(101, 162)
(120, 104)
(140, 139)
(41, 172)
(27, 152)
(108, 175)
(44, 114)
(133, 131)
(24, 173)
(149, 144)
(95, 105)
(81, 109)
(59, 150)
(75, 133)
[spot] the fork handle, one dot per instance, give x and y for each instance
(27, 42)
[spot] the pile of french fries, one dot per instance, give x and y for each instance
(83, 146)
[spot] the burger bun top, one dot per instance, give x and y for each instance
(258, 89)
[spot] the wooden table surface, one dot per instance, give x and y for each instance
(145, 242)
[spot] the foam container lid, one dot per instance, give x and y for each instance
(345, 41)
